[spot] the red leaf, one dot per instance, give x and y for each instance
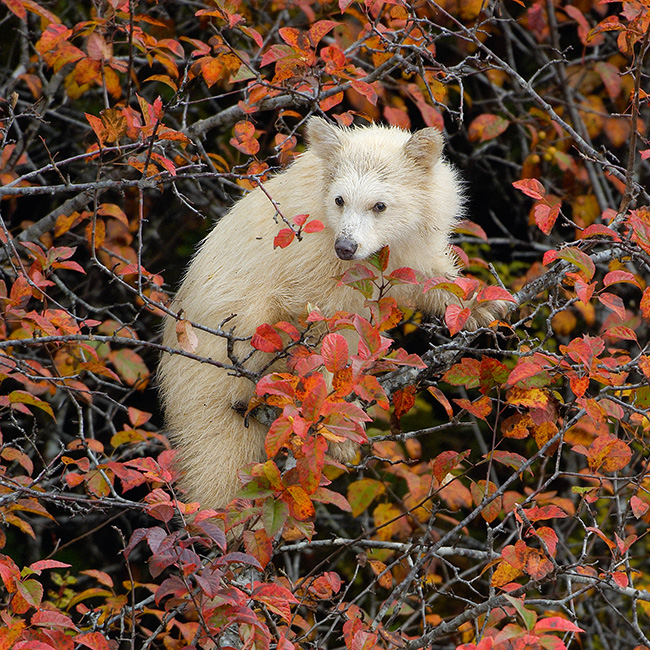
(466, 373)
(546, 216)
(620, 578)
(471, 228)
(310, 462)
(276, 597)
(522, 371)
(446, 462)
(366, 90)
(283, 238)
(622, 332)
(482, 490)
(277, 436)
(320, 29)
(300, 505)
(550, 538)
(620, 276)
(323, 495)
(583, 290)
(549, 257)
(258, 545)
(544, 512)
(494, 292)
(334, 350)
(315, 396)
(531, 187)
(38, 566)
(579, 385)
(556, 624)
(97, 126)
(404, 400)
(456, 317)
(267, 339)
(645, 303)
(47, 618)
(608, 454)
(403, 275)
(442, 399)
(16, 7)
(613, 302)
(313, 226)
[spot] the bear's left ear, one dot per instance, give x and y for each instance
(323, 137)
(425, 147)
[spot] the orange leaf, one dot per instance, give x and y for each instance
(300, 505)
(608, 454)
(481, 408)
(404, 399)
(504, 574)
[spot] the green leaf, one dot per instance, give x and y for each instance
(274, 516)
(579, 259)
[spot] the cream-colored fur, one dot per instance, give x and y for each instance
(237, 272)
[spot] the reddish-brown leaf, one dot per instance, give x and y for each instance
(487, 127)
(481, 490)
(244, 139)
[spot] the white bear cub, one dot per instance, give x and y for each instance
(371, 187)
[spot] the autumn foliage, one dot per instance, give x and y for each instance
(502, 498)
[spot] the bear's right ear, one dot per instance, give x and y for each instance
(324, 139)
(425, 147)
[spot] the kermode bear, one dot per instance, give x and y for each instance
(370, 186)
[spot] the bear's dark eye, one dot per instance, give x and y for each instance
(379, 207)
(339, 201)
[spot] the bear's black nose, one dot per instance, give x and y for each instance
(345, 248)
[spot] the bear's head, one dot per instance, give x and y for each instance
(384, 186)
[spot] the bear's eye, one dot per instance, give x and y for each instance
(339, 201)
(379, 207)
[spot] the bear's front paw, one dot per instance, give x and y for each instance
(485, 312)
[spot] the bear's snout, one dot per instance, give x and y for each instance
(345, 248)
